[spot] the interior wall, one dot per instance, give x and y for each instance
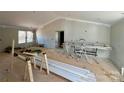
(6, 37)
(47, 34)
(88, 31)
(73, 30)
(117, 43)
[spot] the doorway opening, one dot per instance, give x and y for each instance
(60, 39)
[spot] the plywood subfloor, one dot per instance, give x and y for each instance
(104, 70)
(18, 72)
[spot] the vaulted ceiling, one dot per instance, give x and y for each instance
(34, 19)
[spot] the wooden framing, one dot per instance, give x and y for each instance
(30, 71)
(33, 61)
(25, 73)
(12, 62)
(28, 68)
(46, 62)
(43, 60)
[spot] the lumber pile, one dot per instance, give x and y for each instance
(103, 69)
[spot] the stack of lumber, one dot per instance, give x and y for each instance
(102, 68)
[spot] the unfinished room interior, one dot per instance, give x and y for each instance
(61, 46)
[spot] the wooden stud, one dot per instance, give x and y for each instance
(13, 45)
(25, 72)
(122, 71)
(41, 64)
(47, 68)
(30, 71)
(12, 62)
(33, 59)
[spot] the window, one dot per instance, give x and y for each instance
(29, 36)
(22, 37)
(25, 37)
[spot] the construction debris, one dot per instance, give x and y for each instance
(102, 68)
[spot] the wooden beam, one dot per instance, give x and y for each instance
(33, 61)
(12, 62)
(41, 63)
(25, 73)
(30, 71)
(46, 62)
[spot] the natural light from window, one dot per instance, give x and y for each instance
(29, 36)
(25, 37)
(22, 37)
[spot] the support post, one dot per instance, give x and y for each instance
(25, 72)
(46, 62)
(33, 59)
(41, 63)
(12, 62)
(30, 71)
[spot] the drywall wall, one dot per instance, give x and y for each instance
(90, 32)
(47, 34)
(73, 30)
(1, 41)
(117, 43)
(6, 37)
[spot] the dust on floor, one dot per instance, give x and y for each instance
(18, 72)
(104, 70)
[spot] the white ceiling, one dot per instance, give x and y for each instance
(35, 19)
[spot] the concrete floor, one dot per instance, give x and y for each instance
(18, 72)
